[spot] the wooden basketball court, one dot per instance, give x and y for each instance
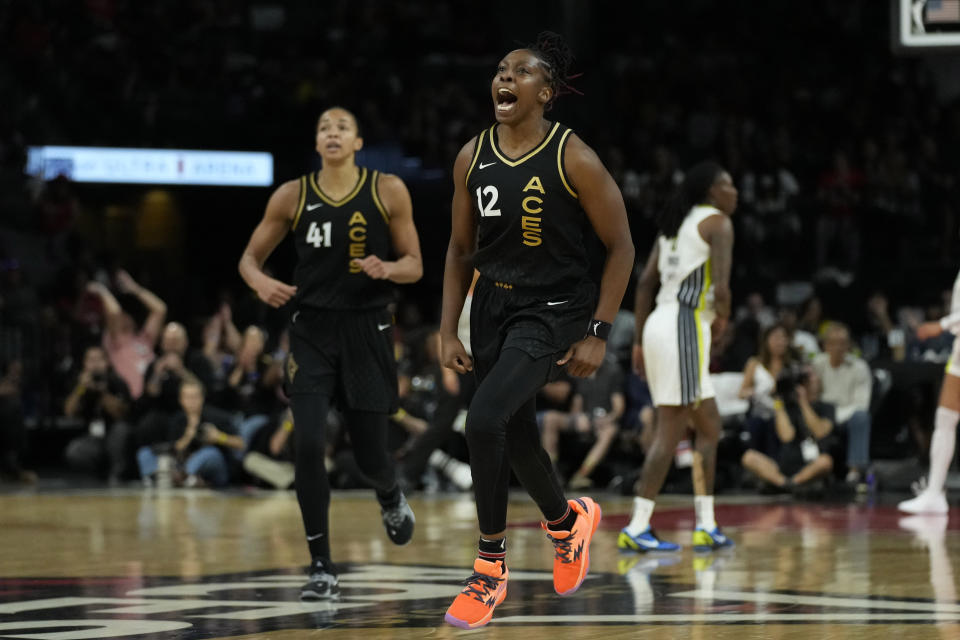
(201, 564)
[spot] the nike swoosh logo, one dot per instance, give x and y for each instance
(381, 327)
(649, 544)
(484, 166)
(311, 207)
(553, 304)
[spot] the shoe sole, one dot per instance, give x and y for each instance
(403, 541)
(644, 551)
(639, 548)
(924, 512)
(586, 564)
(463, 624)
(707, 548)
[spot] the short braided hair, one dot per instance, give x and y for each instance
(555, 54)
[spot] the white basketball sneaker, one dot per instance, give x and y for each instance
(928, 501)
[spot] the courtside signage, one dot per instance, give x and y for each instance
(152, 166)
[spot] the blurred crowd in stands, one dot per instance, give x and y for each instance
(847, 229)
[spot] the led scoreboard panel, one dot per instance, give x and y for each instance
(152, 166)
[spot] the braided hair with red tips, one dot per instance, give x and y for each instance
(555, 54)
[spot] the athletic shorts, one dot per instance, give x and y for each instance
(538, 323)
(953, 364)
(345, 355)
(676, 356)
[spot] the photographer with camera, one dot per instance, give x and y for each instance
(803, 427)
(200, 438)
(101, 399)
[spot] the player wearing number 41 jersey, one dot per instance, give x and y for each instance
(354, 234)
(524, 190)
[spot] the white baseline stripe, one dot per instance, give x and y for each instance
(723, 618)
(822, 601)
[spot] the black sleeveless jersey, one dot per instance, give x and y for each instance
(529, 219)
(329, 234)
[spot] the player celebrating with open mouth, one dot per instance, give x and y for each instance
(523, 190)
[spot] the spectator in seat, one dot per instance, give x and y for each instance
(595, 411)
(759, 386)
(253, 383)
(101, 399)
(161, 395)
(803, 427)
(883, 341)
(12, 428)
(198, 437)
(221, 341)
(804, 342)
(176, 361)
(847, 384)
(130, 351)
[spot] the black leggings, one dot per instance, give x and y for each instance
(502, 425)
(368, 432)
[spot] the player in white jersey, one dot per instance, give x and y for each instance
(690, 261)
(933, 499)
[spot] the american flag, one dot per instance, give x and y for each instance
(943, 10)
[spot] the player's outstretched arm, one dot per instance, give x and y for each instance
(157, 307)
(643, 302)
(272, 228)
(408, 267)
(458, 269)
(603, 203)
(111, 307)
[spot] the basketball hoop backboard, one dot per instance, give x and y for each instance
(921, 26)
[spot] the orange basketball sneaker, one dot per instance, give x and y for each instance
(572, 560)
(486, 588)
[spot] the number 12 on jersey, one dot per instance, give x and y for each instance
(487, 211)
(316, 238)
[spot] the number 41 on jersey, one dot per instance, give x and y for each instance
(316, 238)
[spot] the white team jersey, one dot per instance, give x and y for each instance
(951, 323)
(684, 266)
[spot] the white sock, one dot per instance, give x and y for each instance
(703, 506)
(941, 447)
(640, 520)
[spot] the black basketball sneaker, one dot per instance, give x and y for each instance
(398, 521)
(323, 584)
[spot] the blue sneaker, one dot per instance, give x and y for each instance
(704, 540)
(646, 541)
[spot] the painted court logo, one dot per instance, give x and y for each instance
(409, 596)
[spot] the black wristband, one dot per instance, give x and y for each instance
(599, 329)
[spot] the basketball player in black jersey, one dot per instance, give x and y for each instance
(354, 235)
(523, 191)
